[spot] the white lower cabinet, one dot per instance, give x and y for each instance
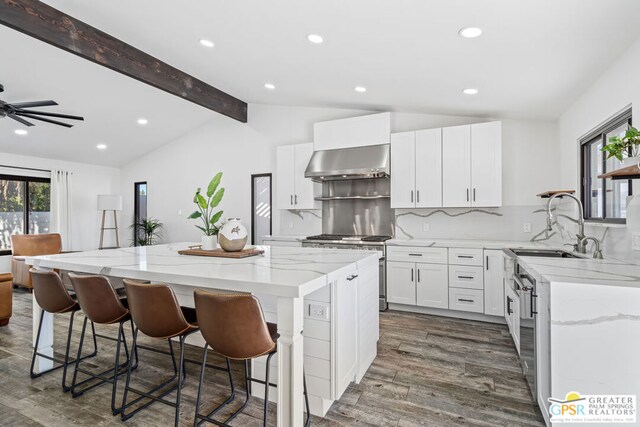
(432, 285)
(494, 282)
(512, 314)
(401, 286)
(421, 284)
(466, 300)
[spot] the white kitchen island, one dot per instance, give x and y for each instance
(331, 294)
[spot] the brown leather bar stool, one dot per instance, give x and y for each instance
(102, 305)
(52, 297)
(233, 325)
(156, 313)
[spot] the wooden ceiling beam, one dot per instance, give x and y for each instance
(45, 23)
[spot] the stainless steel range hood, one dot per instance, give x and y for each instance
(371, 161)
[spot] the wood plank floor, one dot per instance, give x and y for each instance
(430, 371)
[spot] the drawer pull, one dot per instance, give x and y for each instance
(465, 300)
(466, 277)
(465, 256)
(415, 254)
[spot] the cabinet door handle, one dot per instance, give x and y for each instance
(418, 275)
(466, 277)
(534, 309)
(292, 200)
(412, 274)
(474, 194)
(295, 198)
(465, 300)
(417, 196)
(487, 257)
(411, 196)
(467, 194)
(353, 276)
(509, 309)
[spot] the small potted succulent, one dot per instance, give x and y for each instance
(625, 148)
(206, 212)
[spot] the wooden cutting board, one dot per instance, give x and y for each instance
(222, 254)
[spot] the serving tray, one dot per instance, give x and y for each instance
(245, 253)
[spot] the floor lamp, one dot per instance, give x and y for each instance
(109, 203)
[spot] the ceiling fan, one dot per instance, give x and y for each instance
(20, 110)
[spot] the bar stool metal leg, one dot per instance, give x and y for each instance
(199, 419)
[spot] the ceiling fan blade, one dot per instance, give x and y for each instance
(40, 113)
(44, 120)
(34, 104)
(18, 119)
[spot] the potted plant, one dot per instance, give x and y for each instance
(624, 148)
(206, 207)
(146, 231)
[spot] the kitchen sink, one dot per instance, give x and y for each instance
(545, 253)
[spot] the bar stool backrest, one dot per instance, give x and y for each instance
(50, 292)
(155, 310)
(97, 298)
(233, 325)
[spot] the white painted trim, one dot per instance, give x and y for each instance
(448, 313)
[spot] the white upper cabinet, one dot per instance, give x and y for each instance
(429, 168)
(403, 169)
(486, 164)
(416, 169)
(472, 165)
(456, 166)
(294, 191)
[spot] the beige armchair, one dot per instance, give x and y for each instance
(26, 245)
(6, 298)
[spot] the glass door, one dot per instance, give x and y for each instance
(260, 207)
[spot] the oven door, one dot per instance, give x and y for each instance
(383, 285)
(527, 290)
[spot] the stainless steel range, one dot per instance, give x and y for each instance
(372, 243)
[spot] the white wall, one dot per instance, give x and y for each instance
(239, 150)
(612, 92)
(88, 182)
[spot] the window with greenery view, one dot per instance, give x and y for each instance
(24, 207)
(604, 200)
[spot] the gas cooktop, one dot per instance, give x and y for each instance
(346, 238)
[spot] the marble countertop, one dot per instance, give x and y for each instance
(588, 271)
(480, 244)
(280, 271)
(285, 238)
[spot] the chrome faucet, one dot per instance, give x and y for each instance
(581, 245)
(597, 252)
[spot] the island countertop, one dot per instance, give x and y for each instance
(281, 271)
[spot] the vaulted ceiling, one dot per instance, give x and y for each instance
(534, 58)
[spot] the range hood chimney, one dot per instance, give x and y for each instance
(370, 161)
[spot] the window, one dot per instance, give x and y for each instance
(24, 207)
(604, 200)
(260, 207)
(139, 211)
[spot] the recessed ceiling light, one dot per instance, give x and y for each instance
(143, 121)
(470, 91)
(470, 32)
(270, 86)
(315, 38)
(101, 147)
(360, 89)
(206, 43)
(20, 132)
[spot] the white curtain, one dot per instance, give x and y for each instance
(61, 212)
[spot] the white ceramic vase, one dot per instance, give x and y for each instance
(629, 161)
(232, 235)
(209, 243)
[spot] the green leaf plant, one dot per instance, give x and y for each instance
(621, 146)
(206, 206)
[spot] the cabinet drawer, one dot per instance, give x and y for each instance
(466, 300)
(468, 277)
(417, 254)
(460, 256)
